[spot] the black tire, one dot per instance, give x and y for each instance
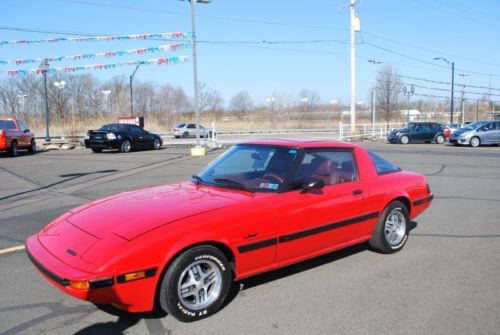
(126, 146)
(96, 150)
(391, 233)
(32, 147)
(475, 142)
(405, 139)
(156, 144)
(185, 134)
(13, 149)
(207, 261)
(439, 139)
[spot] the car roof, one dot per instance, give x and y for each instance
(302, 143)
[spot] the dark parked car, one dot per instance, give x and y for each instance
(426, 132)
(124, 137)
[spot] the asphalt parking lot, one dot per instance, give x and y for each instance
(445, 280)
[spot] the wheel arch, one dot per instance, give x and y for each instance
(401, 198)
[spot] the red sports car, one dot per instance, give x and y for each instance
(261, 205)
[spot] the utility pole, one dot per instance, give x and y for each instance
(355, 27)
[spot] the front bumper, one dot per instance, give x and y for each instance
(104, 288)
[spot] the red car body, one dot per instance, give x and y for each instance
(117, 250)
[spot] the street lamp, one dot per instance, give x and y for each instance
(305, 100)
(271, 101)
(44, 66)
(60, 86)
(462, 119)
(408, 93)
(22, 96)
(106, 93)
(374, 62)
(452, 83)
(131, 92)
(195, 66)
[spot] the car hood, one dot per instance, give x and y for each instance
(131, 214)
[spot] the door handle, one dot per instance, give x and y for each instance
(356, 192)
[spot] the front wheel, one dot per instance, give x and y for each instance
(440, 139)
(475, 142)
(392, 229)
(156, 144)
(196, 284)
(404, 139)
(126, 146)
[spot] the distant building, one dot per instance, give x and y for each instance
(415, 114)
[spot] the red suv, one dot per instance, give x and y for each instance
(14, 135)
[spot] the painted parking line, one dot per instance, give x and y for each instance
(12, 249)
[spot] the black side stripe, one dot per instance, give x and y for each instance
(305, 233)
(423, 200)
(327, 227)
(257, 245)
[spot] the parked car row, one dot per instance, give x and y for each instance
(473, 134)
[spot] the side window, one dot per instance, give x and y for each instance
(191, 126)
(330, 166)
(22, 126)
(137, 131)
(9, 124)
(382, 166)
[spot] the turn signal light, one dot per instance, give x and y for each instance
(135, 275)
(80, 285)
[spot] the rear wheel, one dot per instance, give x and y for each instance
(13, 149)
(440, 139)
(475, 142)
(196, 284)
(392, 229)
(404, 139)
(126, 146)
(185, 134)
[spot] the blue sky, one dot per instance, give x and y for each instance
(278, 46)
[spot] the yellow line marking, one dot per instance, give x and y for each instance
(12, 249)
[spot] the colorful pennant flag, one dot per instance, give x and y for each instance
(107, 54)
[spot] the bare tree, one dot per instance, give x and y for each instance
(308, 100)
(241, 103)
(388, 93)
(210, 100)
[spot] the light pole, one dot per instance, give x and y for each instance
(22, 96)
(452, 83)
(131, 91)
(305, 101)
(462, 119)
(374, 62)
(408, 92)
(60, 86)
(195, 67)
(271, 101)
(106, 93)
(44, 66)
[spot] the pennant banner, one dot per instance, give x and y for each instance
(176, 35)
(108, 54)
(69, 69)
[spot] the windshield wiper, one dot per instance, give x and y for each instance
(197, 179)
(233, 183)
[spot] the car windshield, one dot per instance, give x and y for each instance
(180, 125)
(474, 125)
(114, 127)
(255, 168)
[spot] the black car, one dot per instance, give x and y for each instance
(426, 132)
(124, 137)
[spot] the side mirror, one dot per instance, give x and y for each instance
(312, 184)
(26, 131)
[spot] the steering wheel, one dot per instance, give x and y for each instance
(273, 176)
